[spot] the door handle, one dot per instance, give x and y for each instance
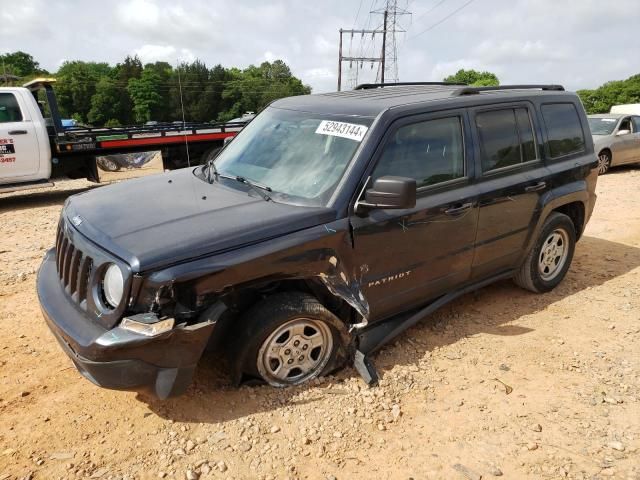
(458, 210)
(536, 187)
(17, 132)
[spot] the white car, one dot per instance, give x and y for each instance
(616, 139)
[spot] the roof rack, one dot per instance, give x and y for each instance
(367, 86)
(475, 90)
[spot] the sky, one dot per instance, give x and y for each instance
(577, 43)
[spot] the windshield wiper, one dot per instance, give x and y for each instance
(211, 168)
(256, 187)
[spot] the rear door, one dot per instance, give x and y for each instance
(407, 257)
(624, 145)
(19, 150)
(635, 124)
(511, 177)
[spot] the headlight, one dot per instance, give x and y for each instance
(113, 285)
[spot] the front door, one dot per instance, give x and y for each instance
(408, 257)
(625, 144)
(19, 152)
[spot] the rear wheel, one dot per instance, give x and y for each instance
(549, 259)
(604, 162)
(288, 339)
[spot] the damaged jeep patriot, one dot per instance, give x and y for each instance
(328, 226)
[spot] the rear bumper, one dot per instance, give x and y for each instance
(117, 358)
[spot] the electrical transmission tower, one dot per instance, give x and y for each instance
(388, 59)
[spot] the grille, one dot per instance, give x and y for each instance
(74, 267)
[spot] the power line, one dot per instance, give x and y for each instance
(357, 15)
(442, 21)
(431, 9)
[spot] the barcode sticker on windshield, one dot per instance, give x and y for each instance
(351, 131)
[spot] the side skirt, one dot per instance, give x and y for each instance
(375, 336)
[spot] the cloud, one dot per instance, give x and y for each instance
(579, 44)
(164, 53)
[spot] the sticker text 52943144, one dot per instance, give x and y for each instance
(351, 131)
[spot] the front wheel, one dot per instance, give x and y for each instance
(288, 339)
(548, 261)
(604, 162)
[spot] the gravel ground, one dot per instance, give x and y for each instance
(500, 383)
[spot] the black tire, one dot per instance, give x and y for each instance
(538, 273)
(604, 162)
(270, 316)
(108, 165)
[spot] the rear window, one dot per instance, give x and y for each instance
(9, 109)
(506, 138)
(564, 131)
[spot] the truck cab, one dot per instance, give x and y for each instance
(25, 152)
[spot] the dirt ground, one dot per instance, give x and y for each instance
(442, 411)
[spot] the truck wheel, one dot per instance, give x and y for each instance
(288, 339)
(108, 165)
(549, 259)
(604, 162)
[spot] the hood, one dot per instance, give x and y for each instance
(167, 218)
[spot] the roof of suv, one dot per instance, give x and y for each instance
(369, 102)
(609, 115)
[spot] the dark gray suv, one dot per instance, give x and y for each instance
(327, 227)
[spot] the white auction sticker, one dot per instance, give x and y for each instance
(351, 131)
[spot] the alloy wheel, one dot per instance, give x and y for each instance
(296, 351)
(553, 254)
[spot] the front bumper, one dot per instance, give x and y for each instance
(117, 358)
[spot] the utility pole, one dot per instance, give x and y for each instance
(340, 62)
(356, 59)
(388, 59)
(384, 45)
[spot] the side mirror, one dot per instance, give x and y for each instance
(390, 193)
(623, 132)
(226, 140)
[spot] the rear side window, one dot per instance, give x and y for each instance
(9, 109)
(506, 138)
(431, 152)
(636, 124)
(563, 129)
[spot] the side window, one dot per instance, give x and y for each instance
(625, 124)
(9, 108)
(636, 124)
(563, 129)
(431, 152)
(526, 135)
(506, 138)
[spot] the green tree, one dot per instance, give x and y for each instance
(188, 86)
(130, 68)
(164, 73)
(20, 64)
(255, 87)
(76, 85)
(601, 99)
(105, 102)
(144, 95)
(474, 78)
